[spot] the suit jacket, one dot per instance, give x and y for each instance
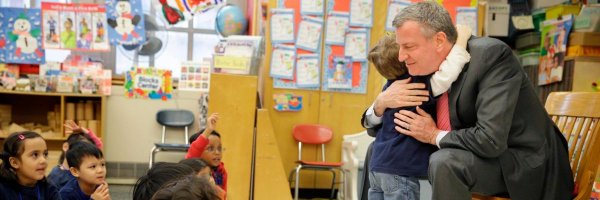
(495, 114)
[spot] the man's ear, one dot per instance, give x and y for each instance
(74, 171)
(14, 162)
(440, 39)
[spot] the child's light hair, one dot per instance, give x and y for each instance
(384, 56)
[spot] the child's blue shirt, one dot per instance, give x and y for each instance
(72, 191)
(399, 154)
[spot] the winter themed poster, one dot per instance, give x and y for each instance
(339, 73)
(394, 8)
(309, 34)
(22, 40)
(282, 25)
(337, 23)
(312, 7)
(555, 34)
(148, 83)
(75, 26)
(287, 102)
(361, 13)
(282, 61)
(125, 20)
(356, 44)
(307, 71)
(2, 38)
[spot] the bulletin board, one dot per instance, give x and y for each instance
(336, 70)
(292, 83)
(334, 54)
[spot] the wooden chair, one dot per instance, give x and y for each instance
(577, 115)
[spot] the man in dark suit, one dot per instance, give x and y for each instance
(494, 135)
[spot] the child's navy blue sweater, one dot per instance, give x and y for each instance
(41, 190)
(399, 154)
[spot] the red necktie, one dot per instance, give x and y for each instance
(443, 113)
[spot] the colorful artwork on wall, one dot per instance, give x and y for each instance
(149, 83)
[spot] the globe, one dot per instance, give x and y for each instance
(231, 21)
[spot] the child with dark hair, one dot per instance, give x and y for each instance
(60, 174)
(157, 176)
(190, 187)
(88, 166)
(206, 145)
(202, 170)
(24, 161)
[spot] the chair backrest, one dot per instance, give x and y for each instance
(577, 115)
(312, 134)
(177, 118)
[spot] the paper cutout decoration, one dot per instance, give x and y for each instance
(287, 102)
(148, 83)
(467, 16)
(339, 73)
(356, 44)
(21, 37)
(125, 22)
(282, 26)
(283, 61)
(555, 34)
(195, 75)
(311, 7)
(307, 71)
(361, 13)
(82, 26)
(394, 8)
(337, 23)
(309, 34)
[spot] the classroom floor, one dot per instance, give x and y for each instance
(121, 192)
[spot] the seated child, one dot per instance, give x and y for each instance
(190, 187)
(203, 170)
(396, 156)
(23, 169)
(60, 174)
(160, 174)
(88, 166)
(206, 145)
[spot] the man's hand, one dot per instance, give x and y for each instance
(101, 192)
(418, 125)
(400, 94)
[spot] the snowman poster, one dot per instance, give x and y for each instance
(2, 37)
(22, 38)
(339, 73)
(125, 20)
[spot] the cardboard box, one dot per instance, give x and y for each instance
(591, 39)
(583, 51)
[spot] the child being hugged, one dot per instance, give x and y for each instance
(206, 145)
(398, 159)
(22, 172)
(60, 174)
(88, 166)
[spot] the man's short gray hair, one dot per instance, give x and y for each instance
(431, 16)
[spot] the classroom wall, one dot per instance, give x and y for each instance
(131, 128)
